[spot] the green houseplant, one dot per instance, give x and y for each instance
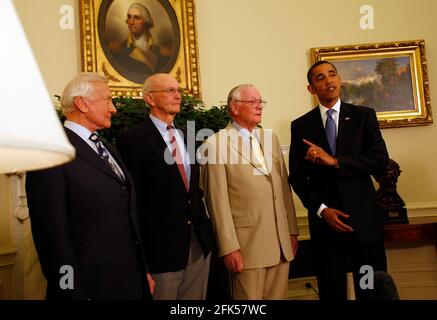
(131, 111)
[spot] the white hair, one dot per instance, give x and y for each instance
(145, 13)
(235, 93)
(80, 86)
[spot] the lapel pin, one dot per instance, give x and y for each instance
(347, 118)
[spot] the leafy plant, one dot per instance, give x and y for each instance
(132, 111)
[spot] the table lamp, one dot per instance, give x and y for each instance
(31, 135)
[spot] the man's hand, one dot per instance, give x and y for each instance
(294, 244)
(315, 154)
(151, 283)
(234, 261)
(332, 218)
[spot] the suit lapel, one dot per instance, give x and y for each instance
(344, 125)
(158, 145)
(84, 151)
(236, 142)
(318, 130)
(118, 160)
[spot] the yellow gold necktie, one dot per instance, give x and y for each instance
(258, 154)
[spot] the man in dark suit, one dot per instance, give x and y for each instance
(335, 148)
(83, 215)
(177, 230)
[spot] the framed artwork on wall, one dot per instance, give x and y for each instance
(390, 77)
(129, 40)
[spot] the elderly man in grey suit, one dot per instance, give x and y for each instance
(249, 200)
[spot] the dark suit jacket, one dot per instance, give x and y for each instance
(84, 216)
(361, 152)
(166, 209)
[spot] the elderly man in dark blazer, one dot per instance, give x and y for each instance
(83, 215)
(335, 148)
(177, 231)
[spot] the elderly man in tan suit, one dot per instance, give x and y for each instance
(249, 200)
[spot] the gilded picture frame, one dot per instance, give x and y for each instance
(390, 77)
(170, 44)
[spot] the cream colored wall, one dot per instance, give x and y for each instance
(57, 51)
(267, 43)
(262, 42)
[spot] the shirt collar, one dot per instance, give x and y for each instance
(242, 131)
(81, 131)
(159, 124)
(130, 42)
(335, 107)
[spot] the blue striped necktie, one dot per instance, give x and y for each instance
(331, 130)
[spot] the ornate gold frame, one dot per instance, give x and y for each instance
(185, 69)
(415, 51)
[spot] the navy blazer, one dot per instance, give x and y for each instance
(167, 211)
(84, 216)
(361, 152)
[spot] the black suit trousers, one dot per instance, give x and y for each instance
(340, 253)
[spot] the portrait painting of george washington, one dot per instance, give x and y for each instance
(139, 37)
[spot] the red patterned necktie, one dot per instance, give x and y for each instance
(176, 154)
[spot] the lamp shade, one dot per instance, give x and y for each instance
(31, 136)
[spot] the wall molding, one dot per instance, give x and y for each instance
(7, 257)
(422, 205)
(422, 209)
(414, 210)
(414, 267)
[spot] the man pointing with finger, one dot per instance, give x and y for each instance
(335, 148)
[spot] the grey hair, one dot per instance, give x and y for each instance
(235, 93)
(79, 86)
(145, 14)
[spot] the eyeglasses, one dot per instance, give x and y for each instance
(254, 103)
(170, 91)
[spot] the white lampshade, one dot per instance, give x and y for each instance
(31, 136)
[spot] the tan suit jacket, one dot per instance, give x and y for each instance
(250, 211)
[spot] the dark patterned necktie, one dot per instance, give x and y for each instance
(176, 154)
(103, 153)
(331, 130)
